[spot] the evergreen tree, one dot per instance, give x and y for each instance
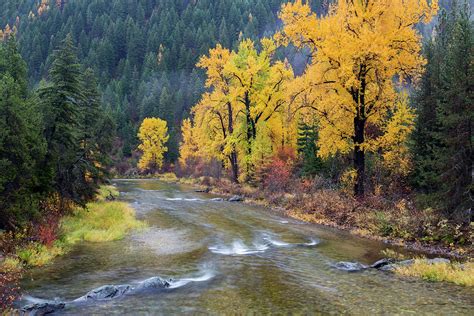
(443, 141)
(308, 149)
(21, 144)
(68, 109)
(455, 112)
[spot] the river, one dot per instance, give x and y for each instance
(233, 258)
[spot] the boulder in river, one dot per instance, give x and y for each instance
(153, 283)
(236, 198)
(106, 292)
(381, 263)
(350, 266)
(43, 308)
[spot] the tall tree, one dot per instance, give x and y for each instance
(245, 116)
(153, 135)
(96, 132)
(217, 110)
(443, 140)
(456, 115)
(357, 50)
(21, 144)
(71, 114)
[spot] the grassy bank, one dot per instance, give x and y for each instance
(457, 273)
(101, 221)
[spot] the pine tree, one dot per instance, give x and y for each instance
(60, 101)
(308, 149)
(455, 113)
(443, 139)
(21, 144)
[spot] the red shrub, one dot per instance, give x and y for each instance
(278, 175)
(47, 231)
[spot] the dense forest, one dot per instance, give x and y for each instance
(55, 141)
(144, 53)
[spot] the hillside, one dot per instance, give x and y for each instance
(143, 51)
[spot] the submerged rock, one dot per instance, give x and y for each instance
(106, 292)
(393, 266)
(206, 190)
(153, 283)
(43, 308)
(236, 198)
(350, 266)
(217, 200)
(381, 263)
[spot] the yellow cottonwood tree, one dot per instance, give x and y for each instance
(247, 95)
(394, 141)
(259, 86)
(153, 135)
(189, 147)
(358, 50)
(216, 114)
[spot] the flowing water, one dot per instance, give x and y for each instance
(232, 258)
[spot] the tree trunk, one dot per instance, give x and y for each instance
(234, 163)
(250, 123)
(235, 167)
(250, 133)
(359, 165)
(359, 136)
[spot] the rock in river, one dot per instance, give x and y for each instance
(106, 292)
(206, 190)
(386, 265)
(153, 283)
(350, 266)
(43, 308)
(236, 198)
(393, 266)
(381, 263)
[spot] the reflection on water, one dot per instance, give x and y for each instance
(234, 258)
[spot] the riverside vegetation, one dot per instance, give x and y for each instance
(101, 221)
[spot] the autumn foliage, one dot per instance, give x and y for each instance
(357, 49)
(277, 175)
(153, 135)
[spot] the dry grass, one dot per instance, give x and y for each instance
(100, 222)
(168, 177)
(457, 273)
(107, 191)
